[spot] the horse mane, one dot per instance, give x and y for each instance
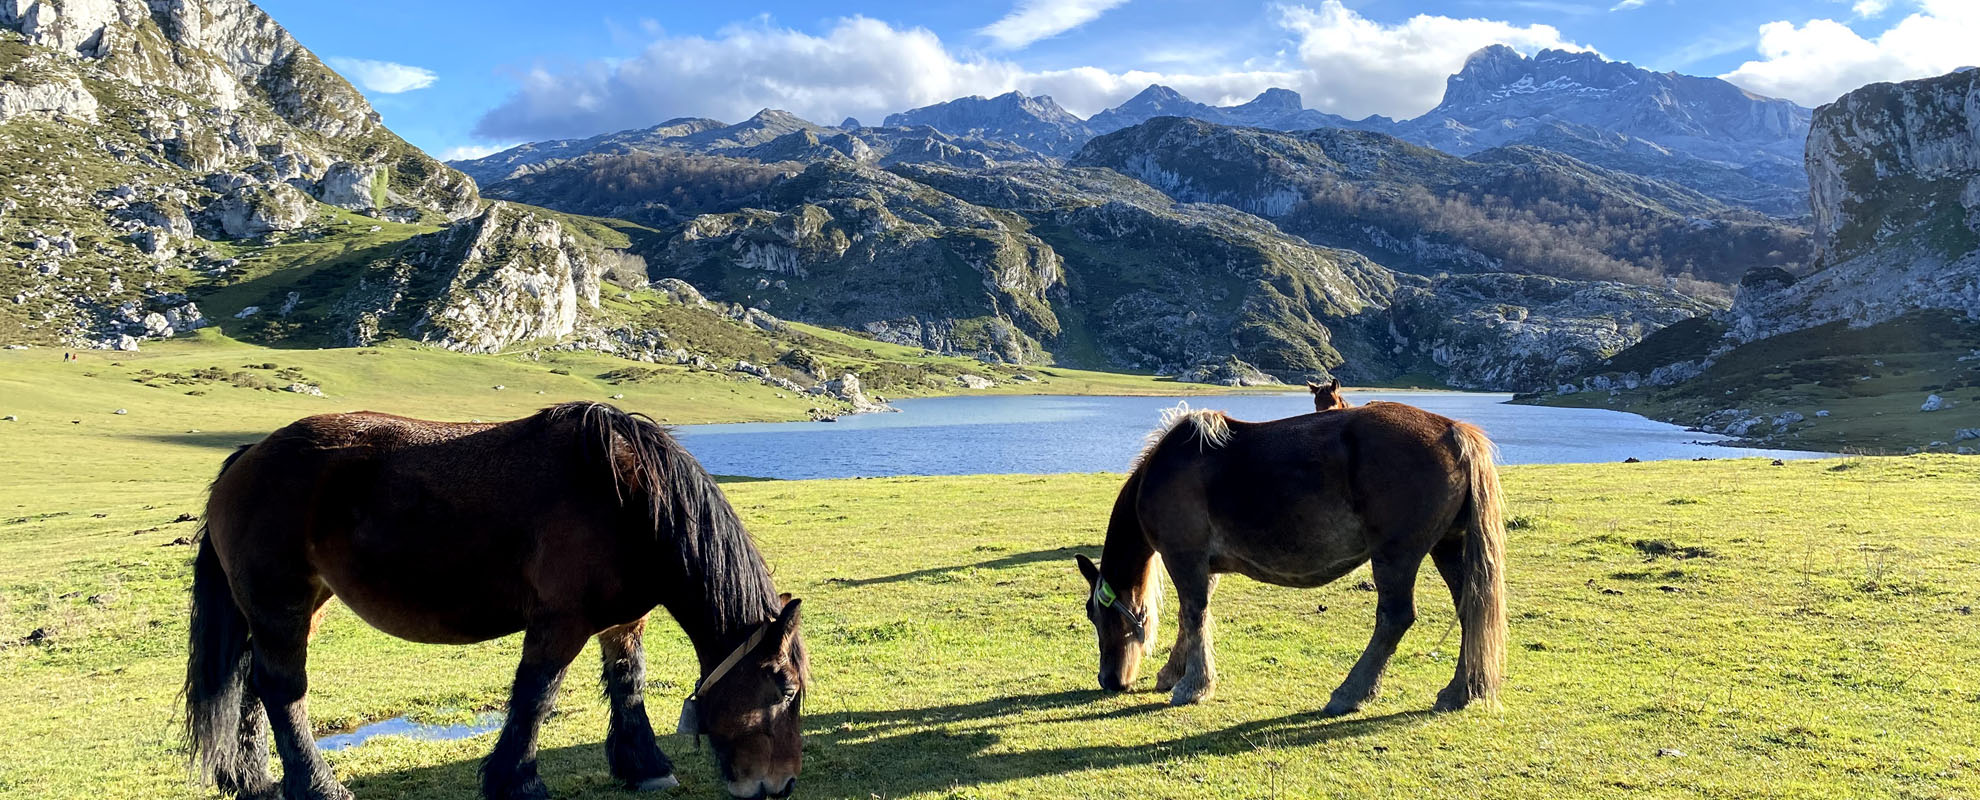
(645, 462)
(1211, 428)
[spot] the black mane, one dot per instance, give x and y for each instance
(684, 503)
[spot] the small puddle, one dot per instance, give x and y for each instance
(400, 726)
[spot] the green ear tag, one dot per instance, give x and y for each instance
(1106, 594)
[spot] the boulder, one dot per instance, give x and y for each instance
(974, 382)
(251, 211)
(358, 187)
(1935, 403)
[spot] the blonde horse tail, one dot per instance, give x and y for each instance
(1482, 607)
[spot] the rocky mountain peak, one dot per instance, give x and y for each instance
(1274, 99)
(1156, 96)
(1039, 123)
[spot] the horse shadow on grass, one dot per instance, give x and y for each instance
(217, 440)
(1005, 562)
(888, 753)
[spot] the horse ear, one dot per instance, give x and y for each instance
(1334, 385)
(1312, 387)
(785, 627)
(1088, 568)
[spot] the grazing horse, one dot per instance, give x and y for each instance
(571, 523)
(1327, 397)
(1300, 502)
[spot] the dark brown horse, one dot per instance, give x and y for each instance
(1300, 502)
(1327, 397)
(572, 523)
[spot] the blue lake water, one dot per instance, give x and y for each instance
(1043, 434)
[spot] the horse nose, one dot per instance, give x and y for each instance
(1112, 682)
(761, 788)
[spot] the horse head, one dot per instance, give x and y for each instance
(1124, 619)
(1327, 397)
(749, 711)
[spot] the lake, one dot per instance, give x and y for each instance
(1044, 434)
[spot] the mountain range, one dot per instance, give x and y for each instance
(1701, 133)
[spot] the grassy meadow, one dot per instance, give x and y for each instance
(1680, 629)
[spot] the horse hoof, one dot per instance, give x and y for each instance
(1186, 694)
(1339, 709)
(1451, 701)
(663, 782)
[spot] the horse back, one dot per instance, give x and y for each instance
(1299, 500)
(434, 531)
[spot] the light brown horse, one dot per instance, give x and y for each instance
(1301, 502)
(1327, 397)
(569, 524)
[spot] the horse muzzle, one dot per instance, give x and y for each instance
(762, 788)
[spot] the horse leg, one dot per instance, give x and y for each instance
(1172, 670)
(629, 744)
(549, 645)
(281, 680)
(1194, 585)
(1395, 611)
(1449, 558)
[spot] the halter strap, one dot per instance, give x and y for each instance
(730, 662)
(690, 716)
(1107, 598)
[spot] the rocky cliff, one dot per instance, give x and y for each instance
(504, 277)
(1894, 182)
(1877, 347)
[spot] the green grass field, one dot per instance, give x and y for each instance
(1716, 629)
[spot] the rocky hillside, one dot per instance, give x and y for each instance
(1887, 323)
(1088, 267)
(1511, 209)
(143, 140)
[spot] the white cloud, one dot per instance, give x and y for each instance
(1627, 5)
(1343, 63)
(472, 151)
(1817, 61)
(383, 77)
(1870, 8)
(1033, 20)
(1353, 65)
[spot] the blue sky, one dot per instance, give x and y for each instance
(457, 77)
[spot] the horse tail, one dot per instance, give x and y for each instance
(217, 665)
(1482, 606)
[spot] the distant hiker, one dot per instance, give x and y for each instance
(1327, 397)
